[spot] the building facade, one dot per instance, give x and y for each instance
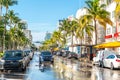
(48, 35)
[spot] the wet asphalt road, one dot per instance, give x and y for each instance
(63, 69)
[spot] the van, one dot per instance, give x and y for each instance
(101, 54)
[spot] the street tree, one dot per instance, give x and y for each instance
(99, 14)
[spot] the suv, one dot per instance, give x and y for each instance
(46, 56)
(14, 59)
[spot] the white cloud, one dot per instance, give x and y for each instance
(38, 36)
(42, 27)
(39, 30)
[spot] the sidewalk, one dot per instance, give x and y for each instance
(86, 62)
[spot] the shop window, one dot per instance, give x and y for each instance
(113, 14)
(114, 30)
(108, 31)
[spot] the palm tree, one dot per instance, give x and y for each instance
(59, 38)
(22, 25)
(84, 27)
(11, 15)
(69, 27)
(1, 5)
(117, 10)
(98, 14)
(1, 33)
(64, 27)
(6, 4)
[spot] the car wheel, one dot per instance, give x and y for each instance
(112, 66)
(23, 68)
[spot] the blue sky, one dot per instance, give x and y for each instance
(43, 15)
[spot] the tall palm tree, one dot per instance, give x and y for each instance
(59, 38)
(6, 4)
(69, 27)
(22, 25)
(84, 27)
(11, 15)
(98, 13)
(1, 5)
(64, 27)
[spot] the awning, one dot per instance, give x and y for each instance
(56, 49)
(108, 45)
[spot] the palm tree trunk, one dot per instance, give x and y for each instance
(95, 32)
(4, 38)
(4, 32)
(0, 10)
(72, 42)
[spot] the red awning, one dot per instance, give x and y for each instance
(117, 34)
(108, 36)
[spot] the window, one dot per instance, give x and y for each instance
(111, 57)
(113, 14)
(114, 29)
(108, 31)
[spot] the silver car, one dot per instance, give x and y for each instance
(112, 61)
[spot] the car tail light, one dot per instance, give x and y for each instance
(118, 60)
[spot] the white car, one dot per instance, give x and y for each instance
(112, 61)
(101, 54)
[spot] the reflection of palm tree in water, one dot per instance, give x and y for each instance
(70, 72)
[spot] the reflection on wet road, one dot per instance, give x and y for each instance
(12, 75)
(63, 69)
(34, 73)
(73, 70)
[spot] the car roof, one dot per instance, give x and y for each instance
(12, 50)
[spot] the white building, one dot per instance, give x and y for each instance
(113, 32)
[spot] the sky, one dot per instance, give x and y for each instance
(43, 15)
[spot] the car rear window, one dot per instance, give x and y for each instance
(118, 56)
(45, 53)
(10, 54)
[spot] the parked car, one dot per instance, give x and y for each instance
(45, 56)
(59, 53)
(112, 61)
(14, 59)
(72, 55)
(65, 53)
(29, 53)
(101, 54)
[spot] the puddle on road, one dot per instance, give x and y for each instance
(72, 70)
(69, 70)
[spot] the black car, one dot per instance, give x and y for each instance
(72, 55)
(46, 56)
(14, 59)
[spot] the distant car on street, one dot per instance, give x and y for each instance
(45, 56)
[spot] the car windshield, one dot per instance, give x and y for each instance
(10, 54)
(45, 53)
(72, 52)
(118, 56)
